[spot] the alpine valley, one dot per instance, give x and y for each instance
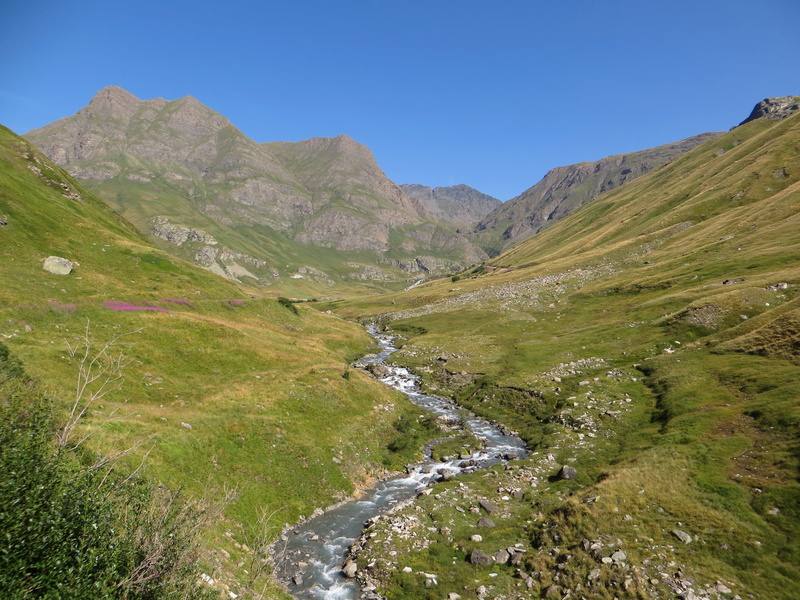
(182, 313)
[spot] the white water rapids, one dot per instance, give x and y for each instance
(311, 556)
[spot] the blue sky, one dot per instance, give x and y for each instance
(491, 94)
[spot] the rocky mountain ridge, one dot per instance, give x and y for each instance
(460, 205)
(774, 108)
(277, 204)
(563, 189)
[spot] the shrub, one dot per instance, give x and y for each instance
(288, 304)
(74, 528)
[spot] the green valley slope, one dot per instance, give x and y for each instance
(224, 388)
(651, 341)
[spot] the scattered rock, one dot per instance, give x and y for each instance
(487, 506)
(619, 556)
(552, 592)
(501, 557)
(350, 569)
(722, 588)
(58, 266)
(186, 425)
(682, 536)
(567, 472)
(477, 557)
(476, 538)
(298, 579)
(486, 522)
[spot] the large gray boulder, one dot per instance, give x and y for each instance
(477, 557)
(58, 265)
(567, 472)
(350, 569)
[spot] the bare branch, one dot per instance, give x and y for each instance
(99, 373)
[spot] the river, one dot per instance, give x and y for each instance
(310, 557)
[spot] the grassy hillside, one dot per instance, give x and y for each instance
(651, 341)
(223, 388)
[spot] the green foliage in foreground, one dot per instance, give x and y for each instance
(71, 527)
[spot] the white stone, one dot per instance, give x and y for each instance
(57, 265)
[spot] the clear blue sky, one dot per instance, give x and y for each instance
(491, 93)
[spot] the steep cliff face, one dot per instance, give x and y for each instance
(459, 205)
(566, 188)
(182, 161)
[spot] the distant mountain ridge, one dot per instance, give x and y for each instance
(563, 189)
(460, 205)
(271, 208)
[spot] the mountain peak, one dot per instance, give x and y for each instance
(778, 107)
(114, 101)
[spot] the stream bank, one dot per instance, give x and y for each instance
(312, 558)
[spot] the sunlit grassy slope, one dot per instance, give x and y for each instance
(651, 319)
(227, 388)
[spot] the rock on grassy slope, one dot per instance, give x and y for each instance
(224, 388)
(649, 341)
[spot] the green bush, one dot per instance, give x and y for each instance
(72, 528)
(288, 304)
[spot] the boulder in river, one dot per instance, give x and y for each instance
(350, 569)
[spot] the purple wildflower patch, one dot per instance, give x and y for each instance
(233, 302)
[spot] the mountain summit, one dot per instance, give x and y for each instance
(199, 187)
(774, 108)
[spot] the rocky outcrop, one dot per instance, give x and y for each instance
(177, 235)
(423, 265)
(774, 108)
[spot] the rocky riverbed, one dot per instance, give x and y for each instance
(314, 559)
